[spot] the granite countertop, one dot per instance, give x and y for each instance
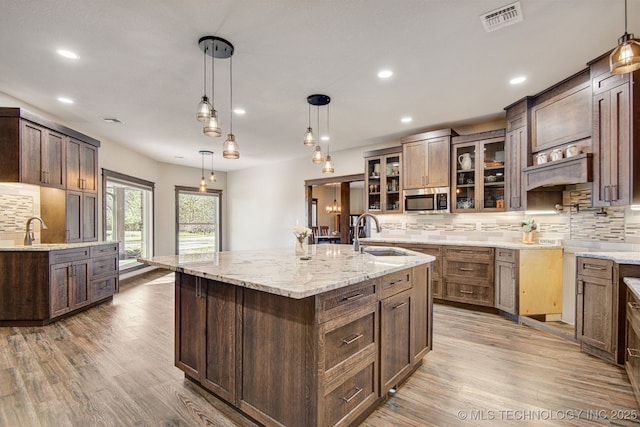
(633, 283)
(503, 245)
(47, 247)
(618, 257)
(281, 272)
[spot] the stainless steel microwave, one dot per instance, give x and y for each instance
(426, 200)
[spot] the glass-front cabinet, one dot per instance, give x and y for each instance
(383, 181)
(478, 180)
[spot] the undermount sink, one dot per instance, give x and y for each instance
(384, 252)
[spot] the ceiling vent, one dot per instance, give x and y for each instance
(506, 15)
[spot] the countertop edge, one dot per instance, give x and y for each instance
(633, 283)
(632, 258)
(48, 247)
(501, 245)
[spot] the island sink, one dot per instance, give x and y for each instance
(385, 252)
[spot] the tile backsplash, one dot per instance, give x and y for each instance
(18, 202)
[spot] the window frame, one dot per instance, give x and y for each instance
(143, 184)
(178, 190)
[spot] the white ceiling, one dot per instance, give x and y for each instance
(140, 62)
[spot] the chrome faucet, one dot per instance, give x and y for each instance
(356, 241)
(28, 238)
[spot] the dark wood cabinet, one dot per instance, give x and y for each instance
(206, 332)
(81, 213)
(328, 359)
(383, 180)
(42, 156)
(82, 166)
(632, 339)
(468, 274)
(596, 307)
(40, 286)
(517, 154)
(426, 159)
(615, 97)
(506, 289)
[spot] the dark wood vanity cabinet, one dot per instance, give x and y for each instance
(40, 286)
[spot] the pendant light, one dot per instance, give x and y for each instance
(212, 177)
(212, 125)
(625, 58)
(202, 188)
(309, 139)
(318, 100)
(328, 163)
(335, 209)
(217, 48)
(230, 149)
(204, 108)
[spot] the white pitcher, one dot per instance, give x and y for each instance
(465, 161)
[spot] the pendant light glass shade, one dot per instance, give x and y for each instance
(212, 125)
(317, 156)
(328, 165)
(625, 58)
(309, 139)
(204, 110)
(230, 149)
(202, 188)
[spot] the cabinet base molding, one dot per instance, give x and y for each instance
(45, 322)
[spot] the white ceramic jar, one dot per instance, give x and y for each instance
(572, 150)
(556, 155)
(541, 158)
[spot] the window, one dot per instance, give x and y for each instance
(197, 220)
(128, 216)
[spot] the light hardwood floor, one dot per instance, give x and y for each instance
(113, 366)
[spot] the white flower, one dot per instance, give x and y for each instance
(301, 232)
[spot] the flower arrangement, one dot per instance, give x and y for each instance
(529, 225)
(301, 232)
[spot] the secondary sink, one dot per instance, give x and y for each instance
(384, 252)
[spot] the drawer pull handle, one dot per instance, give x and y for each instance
(463, 291)
(353, 297)
(350, 398)
(594, 267)
(466, 252)
(633, 305)
(393, 282)
(353, 339)
(633, 352)
(399, 305)
(465, 269)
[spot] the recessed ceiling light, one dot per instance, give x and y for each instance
(324, 138)
(67, 54)
(239, 111)
(406, 119)
(65, 100)
(385, 74)
(517, 80)
(111, 120)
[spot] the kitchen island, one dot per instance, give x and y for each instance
(301, 342)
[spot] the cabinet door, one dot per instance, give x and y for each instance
(516, 152)
(464, 163)
(595, 324)
(414, 155)
(60, 289)
(53, 159)
(89, 217)
(32, 137)
(395, 346)
(491, 155)
(506, 287)
(219, 373)
(421, 316)
(80, 284)
(74, 216)
(189, 327)
(392, 184)
(374, 201)
(74, 150)
(437, 172)
(611, 146)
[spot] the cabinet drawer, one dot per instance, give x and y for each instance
(333, 304)
(68, 255)
(396, 282)
(506, 255)
(467, 269)
(358, 389)
(469, 253)
(342, 343)
(111, 249)
(99, 289)
(594, 267)
(104, 266)
(482, 295)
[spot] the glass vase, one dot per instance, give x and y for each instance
(527, 237)
(301, 247)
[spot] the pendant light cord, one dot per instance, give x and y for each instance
(231, 95)
(213, 73)
(625, 16)
(205, 69)
(202, 170)
(318, 120)
(328, 135)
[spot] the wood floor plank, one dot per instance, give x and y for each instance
(113, 366)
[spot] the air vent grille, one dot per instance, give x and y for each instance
(506, 15)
